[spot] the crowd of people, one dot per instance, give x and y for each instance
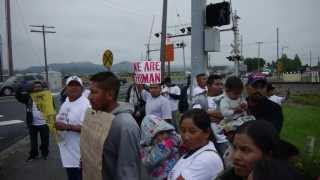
(228, 129)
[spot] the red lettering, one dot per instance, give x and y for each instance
(136, 67)
(146, 66)
(157, 77)
(158, 65)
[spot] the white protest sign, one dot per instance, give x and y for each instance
(147, 72)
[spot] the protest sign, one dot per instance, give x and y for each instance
(94, 131)
(44, 103)
(147, 72)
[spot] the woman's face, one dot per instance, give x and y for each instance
(192, 136)
(245, 155)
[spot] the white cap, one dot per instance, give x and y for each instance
(74, 78)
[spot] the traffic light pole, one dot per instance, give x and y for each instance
(236, 47)
(199, 58)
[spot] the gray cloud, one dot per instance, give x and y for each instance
(86, 28)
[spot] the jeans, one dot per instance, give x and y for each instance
(74, 173)
(44, 136)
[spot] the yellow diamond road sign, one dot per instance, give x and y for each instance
(107, 59)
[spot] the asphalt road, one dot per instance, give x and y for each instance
(12, 122)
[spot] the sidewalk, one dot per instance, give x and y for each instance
(13, 165)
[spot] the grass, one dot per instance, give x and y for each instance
(302, 120)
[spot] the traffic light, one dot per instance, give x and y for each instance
(230, 58)
(234, 58)
(218, 14)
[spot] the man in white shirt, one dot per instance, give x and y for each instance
(173, 93)
(201, 87)
(157, 104)
(68, 122)
(211, 103)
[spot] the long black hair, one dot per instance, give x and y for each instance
(201, 119)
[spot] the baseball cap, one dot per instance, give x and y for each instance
(255, 77)
(75, 79)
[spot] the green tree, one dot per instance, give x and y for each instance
(290, 65)
(253, 63)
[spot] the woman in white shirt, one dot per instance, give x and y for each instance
(69, 120)
(201, 161)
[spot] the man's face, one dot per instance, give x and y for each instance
(155, 90)
(216, 87)
(99, 98)
(257, 90)
(37, 87)
(202, 81)
(74, 90)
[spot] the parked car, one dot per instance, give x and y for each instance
(9, 86)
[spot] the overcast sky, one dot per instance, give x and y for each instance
(86, 28)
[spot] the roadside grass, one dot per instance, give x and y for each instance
(301, 121)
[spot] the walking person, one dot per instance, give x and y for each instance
(172, 92)
(135, 98)
(68, 122)
(35, 119)
(157, 104)
(120, 155)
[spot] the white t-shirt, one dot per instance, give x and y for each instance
(172, 90)
(38, 119)
(216, 128)
(159, 106)
(204, 164)
(69, 141)
(276, 99)
(198, 90)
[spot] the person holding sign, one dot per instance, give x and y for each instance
(68, 122)
(39, 107)
(120, 156)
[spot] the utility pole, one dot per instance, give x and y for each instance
(149, 39)
(241, 51)
(236, 46)
(163, 38)
(259, 46)
(183, 56)
(277, 43)
(9, 38)
(44, 32)
(199, 58)
(310, 53)
(1, 65)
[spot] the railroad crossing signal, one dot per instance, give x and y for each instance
(107, 59)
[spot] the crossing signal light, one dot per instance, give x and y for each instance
(233, 58)
(218, 14)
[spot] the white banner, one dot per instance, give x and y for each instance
(147, 72)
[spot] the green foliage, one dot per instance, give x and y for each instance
(253, 63)
(290, 65)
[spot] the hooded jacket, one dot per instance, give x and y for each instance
(121, 148)
(158, 157)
